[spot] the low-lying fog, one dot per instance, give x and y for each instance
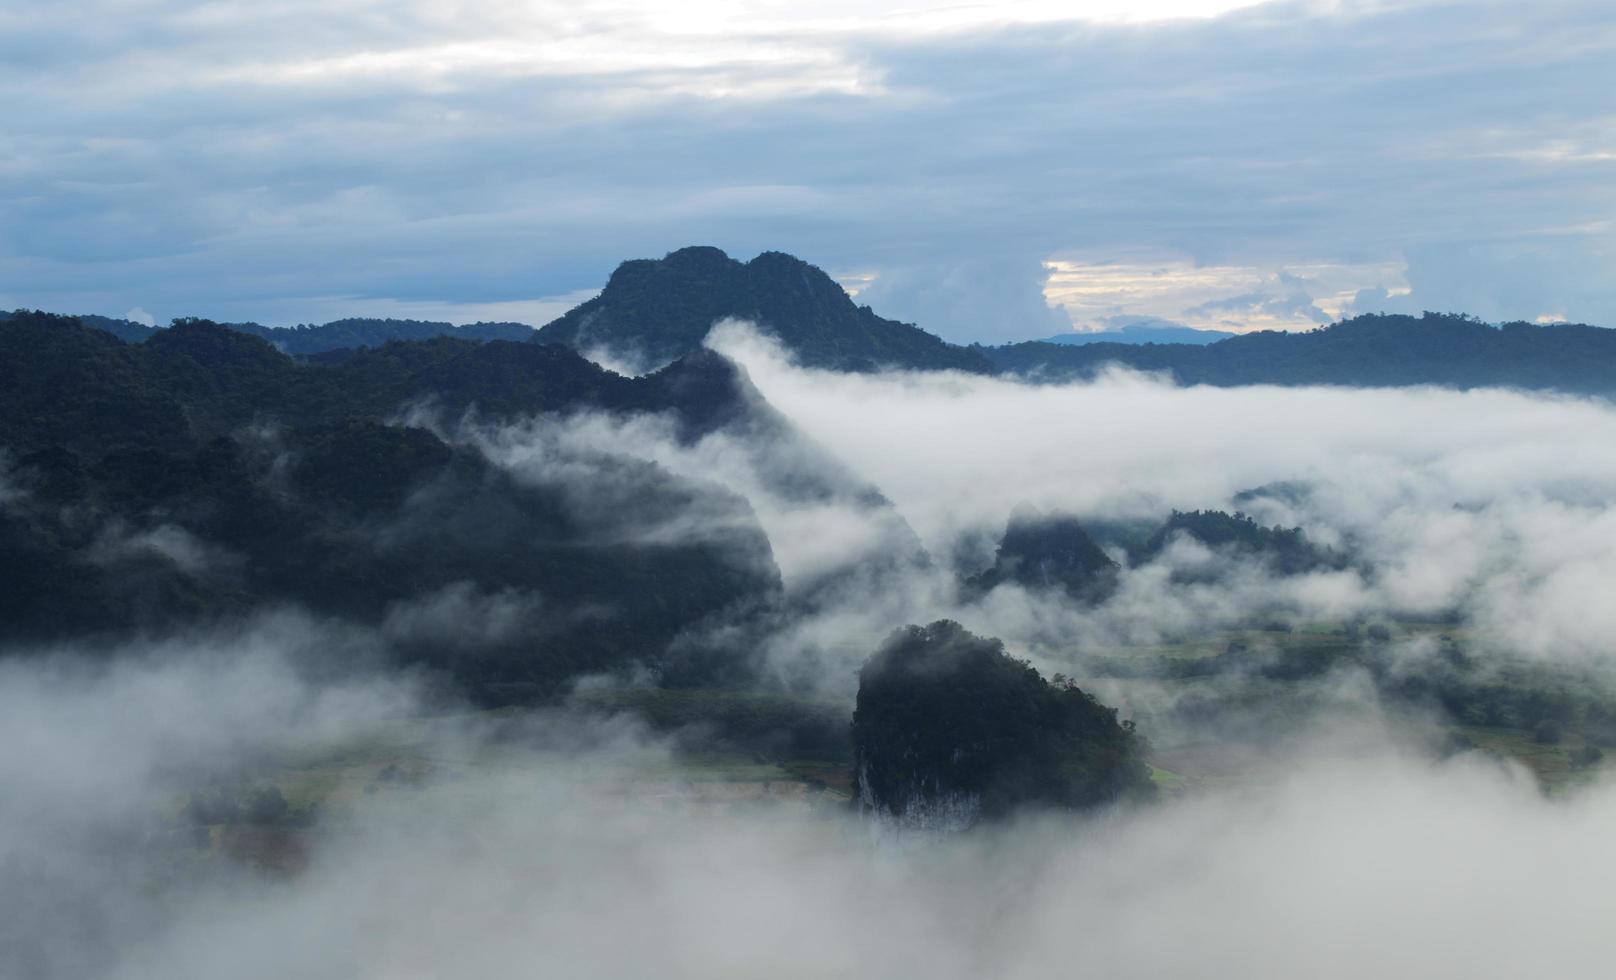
(1499, 502)
(1356, 853)
(1361, 859)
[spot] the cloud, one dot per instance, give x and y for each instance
(572, 845)
(252, 163)
(1096, 287)
(1489, 503)
(462, 617)
(118, 544)
(1286, 298)
(990, 299)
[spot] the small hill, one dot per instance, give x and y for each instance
(949, 729)
(656, 310)
(1049, 552)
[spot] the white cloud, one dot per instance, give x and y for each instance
(1211, 297)
(1493, 503)
(427, 155)
(571, 846)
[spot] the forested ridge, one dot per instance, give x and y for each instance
(654, 311)
(203, 474)
(1373, 350)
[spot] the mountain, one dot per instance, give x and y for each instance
(949, 728)
(655, 310)
(203, 474)
(1049, 552)
(1142, 332)
(62, 383)
(1374, 350)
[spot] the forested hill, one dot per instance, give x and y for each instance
(361, 332)
(654, 310)
(203, 474)
(64, 384)
(346, 334)
(1366, 351)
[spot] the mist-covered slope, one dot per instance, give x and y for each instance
(1049, 551)
(63, 383)
(654, 310)
(203, 475)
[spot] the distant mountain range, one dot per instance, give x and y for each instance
(347, 334)
(1142, 332)
(653, 311)
(1365, 351)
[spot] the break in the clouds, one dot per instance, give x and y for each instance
(1214, 163)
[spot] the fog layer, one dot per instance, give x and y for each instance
(1492, 503)
(590, 859)
(562, 843)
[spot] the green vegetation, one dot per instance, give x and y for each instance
(202, 474)
(946, 718)
(356, 332)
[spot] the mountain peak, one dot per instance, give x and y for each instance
(656, 310)
(699, 255)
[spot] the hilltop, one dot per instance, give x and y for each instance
(654, 310)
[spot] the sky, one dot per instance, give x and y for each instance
(992, 172)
